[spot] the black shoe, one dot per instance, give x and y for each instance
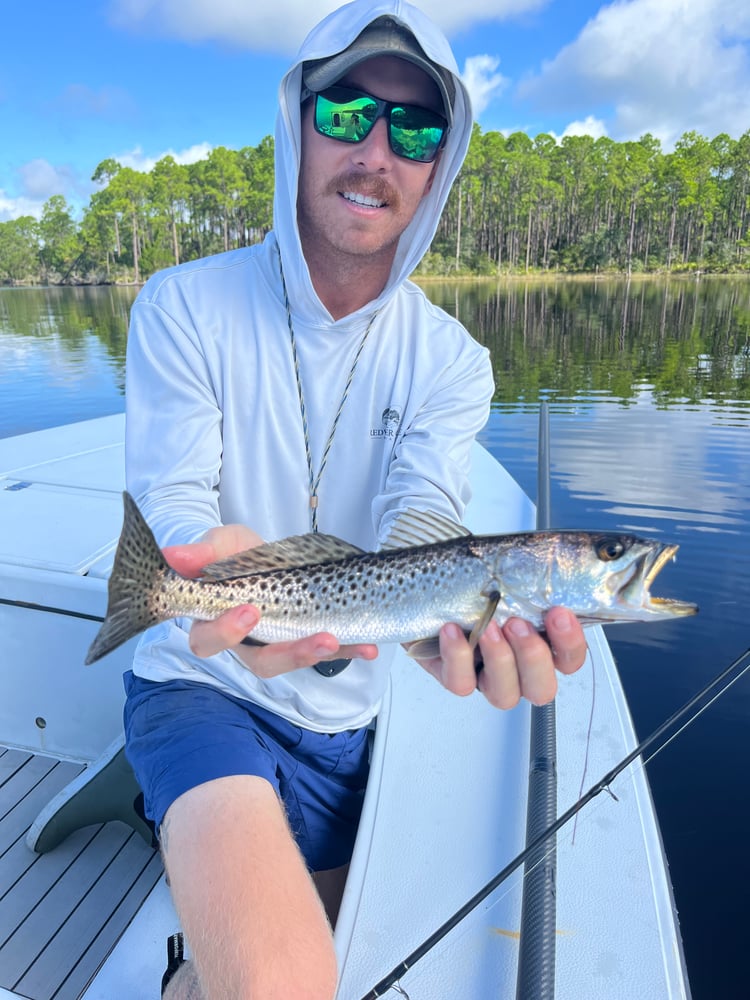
(175, 958)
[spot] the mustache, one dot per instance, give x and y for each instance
(371, 185)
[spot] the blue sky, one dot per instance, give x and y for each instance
(136, 79)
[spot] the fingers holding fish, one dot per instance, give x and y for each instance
(229, 630)
(566, 638)
(217, 543)
(281, 657)
(189, 560)
(498, 679)
(210, 637)
(517, 662)
(454, 668)
(535, 657)
(534, 661)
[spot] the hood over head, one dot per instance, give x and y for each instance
(345, 38)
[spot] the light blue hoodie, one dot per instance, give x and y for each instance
(214, 432)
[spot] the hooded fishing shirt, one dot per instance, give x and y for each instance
(214, 429)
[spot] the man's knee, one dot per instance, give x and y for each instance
(255, 923)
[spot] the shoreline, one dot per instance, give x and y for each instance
(430, 279)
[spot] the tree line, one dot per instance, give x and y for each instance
(519, 205)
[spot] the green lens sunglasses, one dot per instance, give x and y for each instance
(348, 115)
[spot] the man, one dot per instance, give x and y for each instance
(257, 383)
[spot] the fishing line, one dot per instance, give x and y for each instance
(715, 687)
(730, 683)
(588, 742)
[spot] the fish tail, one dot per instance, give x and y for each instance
(138, 570)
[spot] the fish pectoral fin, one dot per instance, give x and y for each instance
(424, 649)
(493, 599)
(295, 551)
(422, 527)
(429, 648)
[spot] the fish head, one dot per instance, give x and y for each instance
(609, 577)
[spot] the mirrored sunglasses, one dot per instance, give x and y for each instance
(348, 115)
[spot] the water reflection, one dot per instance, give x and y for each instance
(681, 341)
(70, 314)
(62, 355)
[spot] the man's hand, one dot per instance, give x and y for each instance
(518, 662)
(227, 631)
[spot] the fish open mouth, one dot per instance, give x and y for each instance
(647, 568)
(662, 557)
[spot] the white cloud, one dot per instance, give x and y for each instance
(589, 126)
(277, 27)
(40, 179)
(280, 27)
(136, 159)
(482, 81)
(14, 208)
(452, 16)
(659, 66)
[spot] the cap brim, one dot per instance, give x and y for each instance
(376, 40)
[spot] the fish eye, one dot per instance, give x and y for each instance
(609, 549)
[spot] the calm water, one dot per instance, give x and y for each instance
(649, 390)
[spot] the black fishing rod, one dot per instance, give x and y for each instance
(715, 689)
(535, 976)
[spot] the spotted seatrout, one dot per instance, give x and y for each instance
(432, 572)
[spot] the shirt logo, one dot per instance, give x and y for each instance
(390, 420)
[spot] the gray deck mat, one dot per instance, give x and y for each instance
(61, 913)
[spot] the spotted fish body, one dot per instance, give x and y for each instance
(433, 572)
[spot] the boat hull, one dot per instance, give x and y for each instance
(445, 807)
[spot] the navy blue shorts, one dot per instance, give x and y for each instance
(180, 734)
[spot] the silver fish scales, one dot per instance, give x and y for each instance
(432, 572)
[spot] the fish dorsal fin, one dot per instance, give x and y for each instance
(422, 527)
(298, 550)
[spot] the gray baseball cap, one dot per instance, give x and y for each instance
(382, 37)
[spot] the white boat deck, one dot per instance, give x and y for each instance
(444, 811)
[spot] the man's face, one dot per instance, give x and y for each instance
(357, 198)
